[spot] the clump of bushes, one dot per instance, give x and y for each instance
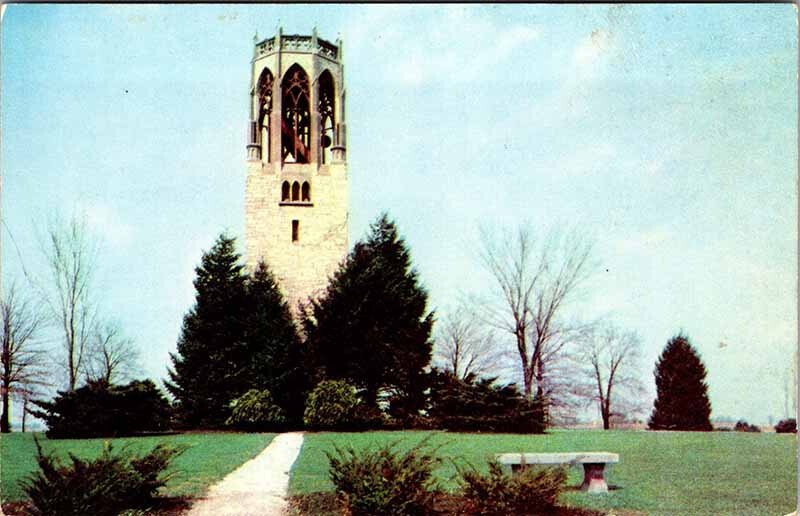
(104, 486)
(530, 491)
(387, 482)
(256, 410)
(102, 410)
(331, 405)
(786, 426)
(744, 426)
(383, 482)
(480, 405)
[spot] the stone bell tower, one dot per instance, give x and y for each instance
(296, 194)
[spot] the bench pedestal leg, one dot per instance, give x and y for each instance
(593, 479)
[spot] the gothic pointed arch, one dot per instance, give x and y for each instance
(296, 115)
(306, 192)
(285, 191)
(264, 88)
(327, 109)
(295, 191)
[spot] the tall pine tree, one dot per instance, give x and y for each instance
(239, 335)
(212, 350)
(682, 393)
(372, 327)
(275, 348)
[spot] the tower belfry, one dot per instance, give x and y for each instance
(296, 193)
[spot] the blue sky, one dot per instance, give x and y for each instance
(668, 133)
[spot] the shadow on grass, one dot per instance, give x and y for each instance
(166, 506)
(326, 504)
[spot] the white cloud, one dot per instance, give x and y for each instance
(410, 72)
(585, 159)
(106, 221)
(589, 58)
(514, 37)
(369, 28)
(592, 48)
(654, 167)
(645, 241)
(429, 53)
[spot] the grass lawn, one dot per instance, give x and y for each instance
(667, 473)
(210, 457)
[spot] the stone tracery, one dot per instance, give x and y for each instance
(296, 116)
(264, 94)
(326, 108)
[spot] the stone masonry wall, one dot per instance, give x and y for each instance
(302, 268)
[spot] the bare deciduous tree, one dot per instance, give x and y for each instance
(556, 383)
(533, 283)
(112, 356)
(71, 255)
(463, 347)
(610, 359)
(23, 361)
(25, 396)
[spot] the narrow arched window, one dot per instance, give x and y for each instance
(285, 191)
(264, 93)
(306, 192)
(295, 191)
(296, 116)
(326, 108)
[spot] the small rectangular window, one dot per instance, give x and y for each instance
(295, 230)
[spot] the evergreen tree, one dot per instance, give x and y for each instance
(371, 326)
(682, 393)
(99, 409)
(478, 404)
(277, 357)
(212, 352)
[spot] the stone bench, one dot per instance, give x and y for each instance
(594, 464)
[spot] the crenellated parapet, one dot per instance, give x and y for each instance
(297, 43)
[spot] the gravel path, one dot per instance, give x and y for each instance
(257, 487)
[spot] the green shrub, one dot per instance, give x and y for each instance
(256, 410)
(530, 491)
(744, 426)
(786, 426)
(332, 404)
(383, 482)
(367, 418)
(101, 410)
(104, 486)
(480, 405)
